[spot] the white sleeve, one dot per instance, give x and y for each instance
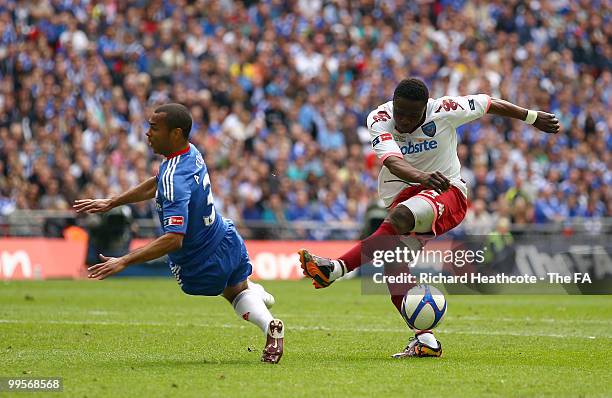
(464, 109)
(380, 126)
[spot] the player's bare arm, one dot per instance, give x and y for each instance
(544, 121)
(143, 191)
(399, 167)
(159, 247)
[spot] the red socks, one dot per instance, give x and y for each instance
(397, 302)
(352, 258)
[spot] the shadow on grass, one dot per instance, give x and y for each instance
(174, 364)
(293, 361)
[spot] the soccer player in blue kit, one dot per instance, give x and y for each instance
(206, 253)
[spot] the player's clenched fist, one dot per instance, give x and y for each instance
(547, 122)
(435, 180)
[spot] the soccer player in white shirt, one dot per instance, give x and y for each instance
(415, 137)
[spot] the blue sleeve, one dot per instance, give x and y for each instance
(175, 205)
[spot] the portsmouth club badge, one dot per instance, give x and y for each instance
(429, 129)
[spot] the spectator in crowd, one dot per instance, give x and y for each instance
(478, 221)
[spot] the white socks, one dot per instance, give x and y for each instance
(250, 306)
(267, 298)
(339, 270)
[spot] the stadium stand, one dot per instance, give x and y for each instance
(279, 92)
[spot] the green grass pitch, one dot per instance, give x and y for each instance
(144, 337)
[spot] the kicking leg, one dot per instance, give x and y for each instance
(413, 215)
(399, 221)
(250, 306)
(324, 271)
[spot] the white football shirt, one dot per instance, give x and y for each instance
(431, 147)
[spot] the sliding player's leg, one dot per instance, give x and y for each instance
(267, 298)
(226, 273)
(250, 306)
(251, 302)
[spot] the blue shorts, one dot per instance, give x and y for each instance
(228, 266)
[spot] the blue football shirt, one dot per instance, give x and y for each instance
(185, 206)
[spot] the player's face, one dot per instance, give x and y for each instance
(408, 114)
(158, 134)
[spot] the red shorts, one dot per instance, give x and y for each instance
(449, 207)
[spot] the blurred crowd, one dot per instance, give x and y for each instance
(279, 92)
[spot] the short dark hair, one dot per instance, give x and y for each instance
(177, 116)
(412, 89)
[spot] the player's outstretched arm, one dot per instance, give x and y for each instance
(544, 121)
(402, 169)
(111, 265)
(143, 191)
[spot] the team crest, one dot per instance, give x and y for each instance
(429, 129)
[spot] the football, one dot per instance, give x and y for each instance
(423, 307)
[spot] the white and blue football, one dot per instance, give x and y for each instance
(423, 307)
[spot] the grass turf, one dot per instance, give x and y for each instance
(144, 337)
